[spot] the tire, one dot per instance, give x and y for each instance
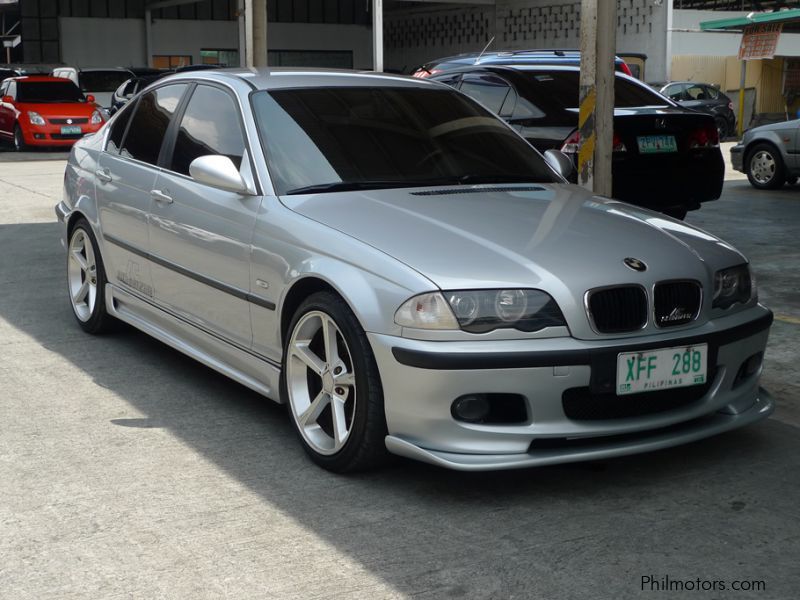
(345, 390)
(722, 128)
(86, 280)
(764, 167)
(19, 141)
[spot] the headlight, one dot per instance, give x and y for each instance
(480, 311)
(733, 285)
(36, 118)
(97, 118)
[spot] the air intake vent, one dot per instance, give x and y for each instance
(676, 302)
(478, 190)
(618, 309)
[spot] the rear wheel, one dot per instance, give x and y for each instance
(331, 383)
(765, 168)
(86, 280)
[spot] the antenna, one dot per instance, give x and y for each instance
(485, 48)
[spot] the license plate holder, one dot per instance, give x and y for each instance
(661, 369)
(656, 144)
(70, 130)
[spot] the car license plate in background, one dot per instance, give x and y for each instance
(70, 130)
(651, 144)
(661, 369)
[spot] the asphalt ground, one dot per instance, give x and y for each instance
(130, 471)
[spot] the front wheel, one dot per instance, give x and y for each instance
(19, 141)
(331, 383)
(86, 280)
(765, 168)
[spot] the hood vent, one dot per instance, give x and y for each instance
(478, 190)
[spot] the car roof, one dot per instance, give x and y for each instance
(288, 77)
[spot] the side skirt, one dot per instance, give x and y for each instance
(260, 375)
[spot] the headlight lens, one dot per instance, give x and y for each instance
(733, 285)
(35, 118)
(427, 311)
(481, 311)
(97, 118)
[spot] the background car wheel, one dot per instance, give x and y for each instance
(722, 128)
(19, 141)
(765, 168)
(332, 386)
(86, 280)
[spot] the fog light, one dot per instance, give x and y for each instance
(39, 136)
(472, 408)
(749, 368)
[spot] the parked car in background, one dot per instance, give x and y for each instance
(705, 98)
(45, 111)
(406, 273)
(100, 83)
(6, 73)
(666, 157)
(130, 88)
(510, 57)
(769, 155)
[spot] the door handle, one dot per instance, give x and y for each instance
(160, 196)
(103, 175)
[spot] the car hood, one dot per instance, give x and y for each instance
(556, 237)
(60, 109)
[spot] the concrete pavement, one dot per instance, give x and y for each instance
(130, 471)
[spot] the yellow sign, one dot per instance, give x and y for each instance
(760, 41)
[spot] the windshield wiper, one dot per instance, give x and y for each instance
(345, 186)
(500, 178)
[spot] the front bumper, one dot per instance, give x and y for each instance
(50, 135)
(737, 157)
(421, 379)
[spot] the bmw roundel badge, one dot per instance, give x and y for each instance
(635, 264)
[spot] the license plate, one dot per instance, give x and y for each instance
(70, 129)
(652, 144)
(661, 369)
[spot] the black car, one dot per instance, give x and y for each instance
(705, 98)
(665, 157)
(131, 87)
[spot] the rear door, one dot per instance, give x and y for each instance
(125, 178)
(200, 235)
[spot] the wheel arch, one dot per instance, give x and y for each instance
(770, 139)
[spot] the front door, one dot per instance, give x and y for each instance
(200, 235)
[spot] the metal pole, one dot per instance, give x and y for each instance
(240, 12)
(596, 108)
(742, 82)
(377, 35)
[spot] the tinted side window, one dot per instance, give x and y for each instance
(451, 80)
(675, 92)
(711, 92)
(150, 122)
(118, 130)
(489, 90)
(210, 125)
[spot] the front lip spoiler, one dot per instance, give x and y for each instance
(595, 448)
(522, 360)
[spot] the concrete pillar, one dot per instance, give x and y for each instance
(377, 35)
(596, 112)
(255, 33)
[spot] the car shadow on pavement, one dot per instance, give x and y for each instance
(689, 511)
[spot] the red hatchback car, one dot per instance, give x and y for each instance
(45, 111)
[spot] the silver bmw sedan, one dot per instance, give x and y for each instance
(406, 273)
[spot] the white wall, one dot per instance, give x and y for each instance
(102, 42)
(688, 39)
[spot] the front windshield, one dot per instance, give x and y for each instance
(102, 81)
(324, 139)
(48, 91)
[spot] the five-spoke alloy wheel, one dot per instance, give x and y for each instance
(86, 279)
(331, 384)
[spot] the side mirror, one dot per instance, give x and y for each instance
(90, 99)
(561, 163)
(8, 99)
(218, 171)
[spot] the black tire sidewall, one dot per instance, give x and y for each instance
(365, 446)
(100, 318)
(778, 179)
(18, 142)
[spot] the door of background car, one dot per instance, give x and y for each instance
(125, 178)
(200, 235)
(7, 112)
